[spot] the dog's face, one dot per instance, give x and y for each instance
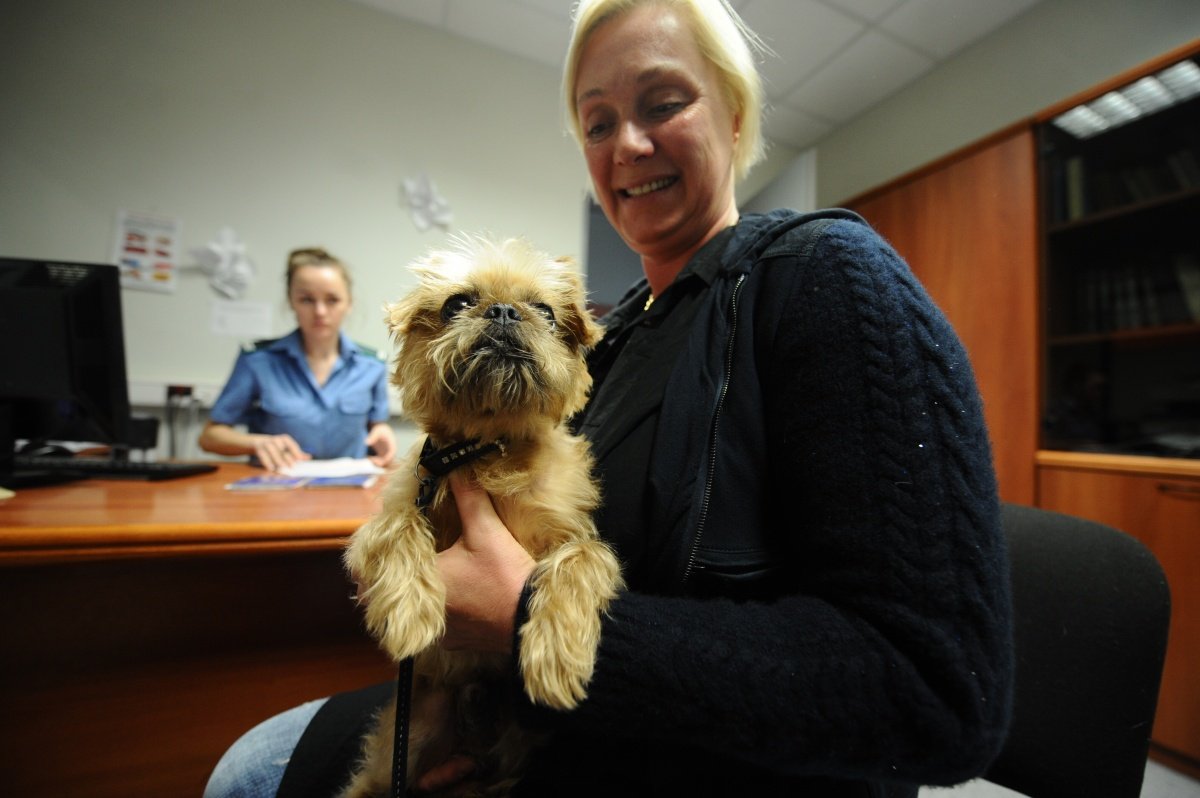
(492, 341)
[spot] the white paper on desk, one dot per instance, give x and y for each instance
(338, 467)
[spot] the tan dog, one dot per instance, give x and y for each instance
(491, 349)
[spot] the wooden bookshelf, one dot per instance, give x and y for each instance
(1121, 278)
(1120, 354)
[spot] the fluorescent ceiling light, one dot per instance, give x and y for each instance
(1148, 95)
(1082, 122)
(1183, 79)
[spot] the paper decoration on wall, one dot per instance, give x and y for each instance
(224, 260)
(425, 205)
(145, 250)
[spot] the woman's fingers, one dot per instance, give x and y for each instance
(484, 572)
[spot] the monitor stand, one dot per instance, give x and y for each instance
(15, 478)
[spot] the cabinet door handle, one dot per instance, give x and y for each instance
(1180, 491)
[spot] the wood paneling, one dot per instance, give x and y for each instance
(1164, 513)
(967, 226)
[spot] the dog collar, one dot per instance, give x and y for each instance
(440, 462)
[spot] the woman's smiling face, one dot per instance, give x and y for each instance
(658, 133)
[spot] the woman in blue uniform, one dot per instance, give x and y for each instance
(312, 393)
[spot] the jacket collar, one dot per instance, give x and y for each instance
(292, 344)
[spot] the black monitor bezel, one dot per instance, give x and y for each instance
(50, 318)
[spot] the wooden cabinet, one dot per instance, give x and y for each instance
(1156, 500)
(1120, 278)
(967, 227)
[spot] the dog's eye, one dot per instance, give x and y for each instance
(455, 305)
(545, 310)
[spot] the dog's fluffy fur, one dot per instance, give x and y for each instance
(491, 346)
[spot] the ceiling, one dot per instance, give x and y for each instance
(834, 58)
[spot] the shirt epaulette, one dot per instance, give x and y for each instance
(261, 343)
(370, 351)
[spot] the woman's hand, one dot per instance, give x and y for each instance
(382, 440)
(484, 572)
(277, 452)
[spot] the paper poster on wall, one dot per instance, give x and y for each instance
(240, 318)
(145, 249)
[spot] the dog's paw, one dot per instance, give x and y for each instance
(407, 624)
(572, 589)
(554, 676)
(392, 561)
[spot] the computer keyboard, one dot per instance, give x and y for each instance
(103, 468)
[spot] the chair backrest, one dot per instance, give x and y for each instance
(1091, 608)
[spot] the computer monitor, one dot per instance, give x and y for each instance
(62, 356)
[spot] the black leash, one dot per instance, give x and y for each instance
(437, 463)
(404, 680)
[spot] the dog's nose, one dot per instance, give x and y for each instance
(503, 314)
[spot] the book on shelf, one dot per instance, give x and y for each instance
(1172, 307)
(1185, 167)
(1148, 293)
(1155, 293)
(1075, 191)
(1106, 191)
(1187, 271)
(1128, 310)
(1146, 182)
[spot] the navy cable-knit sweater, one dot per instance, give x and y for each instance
(798, 479)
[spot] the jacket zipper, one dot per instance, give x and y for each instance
(712, 431)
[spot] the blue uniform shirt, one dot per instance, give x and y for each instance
(273, 391)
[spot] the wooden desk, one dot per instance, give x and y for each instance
(145, 626)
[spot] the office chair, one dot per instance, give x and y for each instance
(1091, 607)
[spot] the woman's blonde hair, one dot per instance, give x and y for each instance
(313, 256)
(724, 41)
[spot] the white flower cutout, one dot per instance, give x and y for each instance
(224, 260)
(425, 205)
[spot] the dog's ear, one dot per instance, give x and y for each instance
(399, 315)
(577, 320)
(420, 305)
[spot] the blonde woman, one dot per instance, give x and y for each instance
(796, 477)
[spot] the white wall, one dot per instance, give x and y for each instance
(794, 187)
(1056, 50)
(292, 121)
(295, 121)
